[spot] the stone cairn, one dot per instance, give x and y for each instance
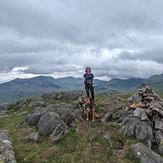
(144, 117)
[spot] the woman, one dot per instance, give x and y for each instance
(88, 81)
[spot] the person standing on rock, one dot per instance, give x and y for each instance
(88, 82)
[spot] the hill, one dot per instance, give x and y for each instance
(155, 82)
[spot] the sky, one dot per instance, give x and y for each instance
(60, 38)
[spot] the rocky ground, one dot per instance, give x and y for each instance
(129, 129)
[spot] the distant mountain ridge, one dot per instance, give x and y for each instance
(36, 86)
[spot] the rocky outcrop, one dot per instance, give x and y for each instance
(7, 154)
(144, 117)
(65, 95)
(53, 119)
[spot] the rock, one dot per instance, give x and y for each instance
(127, 108)
(156, 105)
(145, 154)
(7, 154)
(135, 98)
(143, 132)
(37, 102)
(138, 112)
(158, 136)
(72, 95)
(32, 137)
(65, 95)
(4, 134)
(156, 118)
(106, 117)
(5, 107)
(144, 117)
(148, 98)
(160, 148)
(22, 103)
(51, 123)
(157, 111)
(128, 125)
(35, 116)
(159, 125)
(65, 111)
(149, 112)
(134, 126)
(136, 105)
(159, 140)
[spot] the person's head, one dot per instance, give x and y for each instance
(88, 70)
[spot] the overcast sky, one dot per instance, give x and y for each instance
(116, 38)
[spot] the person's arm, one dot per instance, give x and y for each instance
(93, 84)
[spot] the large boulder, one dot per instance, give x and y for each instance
(72, 95)
(65, 111)
(51, 124)
(128, 125)
(144, 132)
(134, 126)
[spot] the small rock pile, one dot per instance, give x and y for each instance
(144, 117)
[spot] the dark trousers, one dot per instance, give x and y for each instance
(89, 89)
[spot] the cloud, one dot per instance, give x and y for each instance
(60, 38)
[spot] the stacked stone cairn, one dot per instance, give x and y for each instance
(144, 117)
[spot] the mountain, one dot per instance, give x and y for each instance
(127, 85)
(155, 82)
(23, 88)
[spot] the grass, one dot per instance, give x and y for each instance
(84, 143)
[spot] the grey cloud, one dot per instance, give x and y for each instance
(96, 52)
(41, 69)
(144, 55)
(60, 36)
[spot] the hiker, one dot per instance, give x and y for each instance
(88, 82)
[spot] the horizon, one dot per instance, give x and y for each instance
(77, 78)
